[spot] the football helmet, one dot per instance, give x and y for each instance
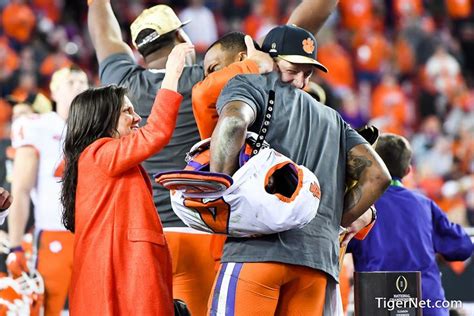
(21, 296)
(269, 193)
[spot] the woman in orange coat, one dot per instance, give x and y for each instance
(121, 260)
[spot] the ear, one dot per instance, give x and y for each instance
(407, 171)
(241, 56)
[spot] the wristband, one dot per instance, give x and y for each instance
(374, 214)
(18, 248)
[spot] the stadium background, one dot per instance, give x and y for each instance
(406, 66)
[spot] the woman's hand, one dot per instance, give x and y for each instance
(175, 64)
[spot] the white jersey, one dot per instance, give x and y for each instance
(3, 215)
(246, 208)
(44, 133)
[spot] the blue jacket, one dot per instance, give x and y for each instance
(409, 231)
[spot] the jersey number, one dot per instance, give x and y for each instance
(215, 214)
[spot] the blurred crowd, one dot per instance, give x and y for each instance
(405, 66)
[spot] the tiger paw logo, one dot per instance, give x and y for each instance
(314, 188)
(308, 45)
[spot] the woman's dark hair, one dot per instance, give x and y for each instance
(93, 114)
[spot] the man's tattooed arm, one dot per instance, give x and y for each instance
(369, 178)
(229, 136)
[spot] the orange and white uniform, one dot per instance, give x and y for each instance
(53, 243)
(184, 242)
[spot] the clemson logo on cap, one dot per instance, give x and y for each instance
(308, 45)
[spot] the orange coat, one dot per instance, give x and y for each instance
(206, 93)
(122, 265)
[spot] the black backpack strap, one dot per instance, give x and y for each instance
(265, 124)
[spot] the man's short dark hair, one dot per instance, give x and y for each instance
(395, 151)
(161, 42)
(233, 41)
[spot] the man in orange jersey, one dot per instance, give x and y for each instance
(232, 54)
(269, 278)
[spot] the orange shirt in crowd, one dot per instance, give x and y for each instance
(371, 50)
(431, 186)
(356, 13)
(404, 56)
(53, 63)
(18, 21)
(339, 63)
(463, 149)
(389, 101)
(448, 204)
(5, 116)
(404, 7)
(49, 8)
(271, 8)
(251, 25)
(206, 92)
(9, 60)
(458, 9)
(464, 100)
(20, 94)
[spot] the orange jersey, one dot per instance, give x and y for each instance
(251, 25)
(9, 61)
(404, 56)
(390, 102)
(50, 9)
(5, 116)
(53, 63)
(371, 50)
(458, 9)
(339, 62)
(356, 13)
(405, 7)
(206, 92)
(18, 21)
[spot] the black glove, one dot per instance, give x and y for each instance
(370, 133)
